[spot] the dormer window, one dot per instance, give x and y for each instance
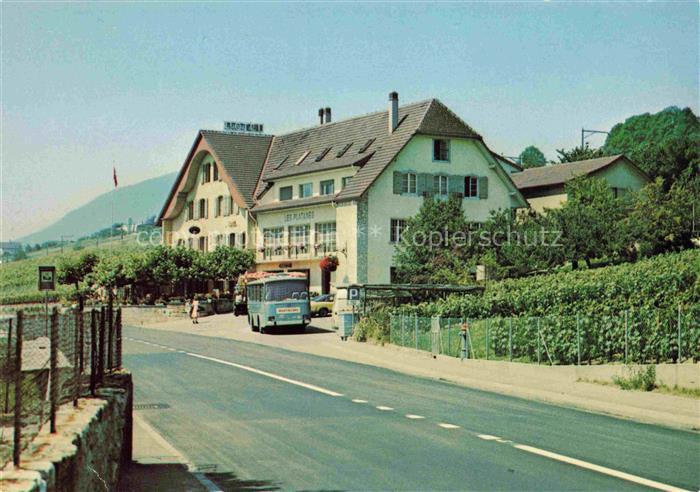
(366, 145)
(301, 159)
(323, 153)
(342, 151)
(441, 150)
(206, 173)
(286, 193)
(215, 170)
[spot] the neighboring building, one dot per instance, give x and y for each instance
(543, 187)
(9, 248)
(343, 188)
(507, 164)
(210, 201)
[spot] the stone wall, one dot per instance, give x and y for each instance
(93, 442)
(142, 315)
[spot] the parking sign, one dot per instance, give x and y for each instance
(47, 278)
(353, 293)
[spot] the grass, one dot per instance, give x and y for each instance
(638, 379)
(658, 388)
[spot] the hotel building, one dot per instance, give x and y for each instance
(344, 188)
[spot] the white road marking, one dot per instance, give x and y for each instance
(383, 408)
(600, 469)
(267, 374)
(448, 426)
(488, 437)
(413, 416)
(359, 401)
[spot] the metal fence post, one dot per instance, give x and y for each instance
(626, 336)
(8, 367)
(510, 339)
(538, 341)
(488, 332)
(449, 336)
(416, 329)
(54, 379)
(578, 339)
(101, 347)
(93, 351)
(403, 329)
(76, 363)
(18, 391)
(679, 334)
(110, 333)
(118, 347)
(81, 342)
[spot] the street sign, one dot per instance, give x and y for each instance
(353, 293)
(47, 278)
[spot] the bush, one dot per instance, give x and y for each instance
(374, 326)
(639, 379)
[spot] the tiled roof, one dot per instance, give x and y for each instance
(429, 117)
(242, 156)
(556, 174)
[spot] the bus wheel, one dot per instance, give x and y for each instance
(252, 324)
(261, 329)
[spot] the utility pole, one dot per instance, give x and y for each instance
(63, 238)
(587, 133)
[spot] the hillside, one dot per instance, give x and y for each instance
(138, 202)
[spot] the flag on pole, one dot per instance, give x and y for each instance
(114, 175)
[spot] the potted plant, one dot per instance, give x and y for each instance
(329, 263)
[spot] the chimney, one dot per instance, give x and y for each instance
(320, 116)
(393, 111)
(328, 115)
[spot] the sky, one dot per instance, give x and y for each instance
(88, 86)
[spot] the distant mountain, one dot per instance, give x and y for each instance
(138, 202)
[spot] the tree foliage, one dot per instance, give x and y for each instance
(532, 157)
(73, 270)
(590, 220)
(580, 154)
(665, 144)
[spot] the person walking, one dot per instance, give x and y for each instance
(195, 311)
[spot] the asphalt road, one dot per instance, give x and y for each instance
(260, 418)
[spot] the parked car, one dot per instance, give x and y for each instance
(322, 305)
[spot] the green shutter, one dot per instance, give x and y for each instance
(398, 177)
(483, 187)
(425, 184)
(456, 184)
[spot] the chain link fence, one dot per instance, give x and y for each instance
(641, 336)
(47, 360)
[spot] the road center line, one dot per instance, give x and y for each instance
(413, 416)
(356, 400)
(597, 468)
(448, 426)
(383, 408)
(267, 374)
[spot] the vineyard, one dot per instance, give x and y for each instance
(645, 312)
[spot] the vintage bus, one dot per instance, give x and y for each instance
(278, 300)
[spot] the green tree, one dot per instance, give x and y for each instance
(435, 248)
(580, 154)
(590, 221)
(226, 262)
(73, 270)
(516, 244)
(532, 157)
(665, 144)
(661, 221)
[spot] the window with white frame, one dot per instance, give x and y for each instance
(325, 237)
(299, 236)
(272, 240)
(344, 182)
(471, 186)
(206, 173)
(306, 190)
(219, 209)
(396, 229)
(232, 239)
(215, 171)
(440, 185)
(409, 183)
(190, 210)
(327, 187)
(203, 212)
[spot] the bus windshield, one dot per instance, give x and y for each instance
(286, 290)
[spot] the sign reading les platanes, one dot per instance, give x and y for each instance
(294, 216)
(47, 278)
